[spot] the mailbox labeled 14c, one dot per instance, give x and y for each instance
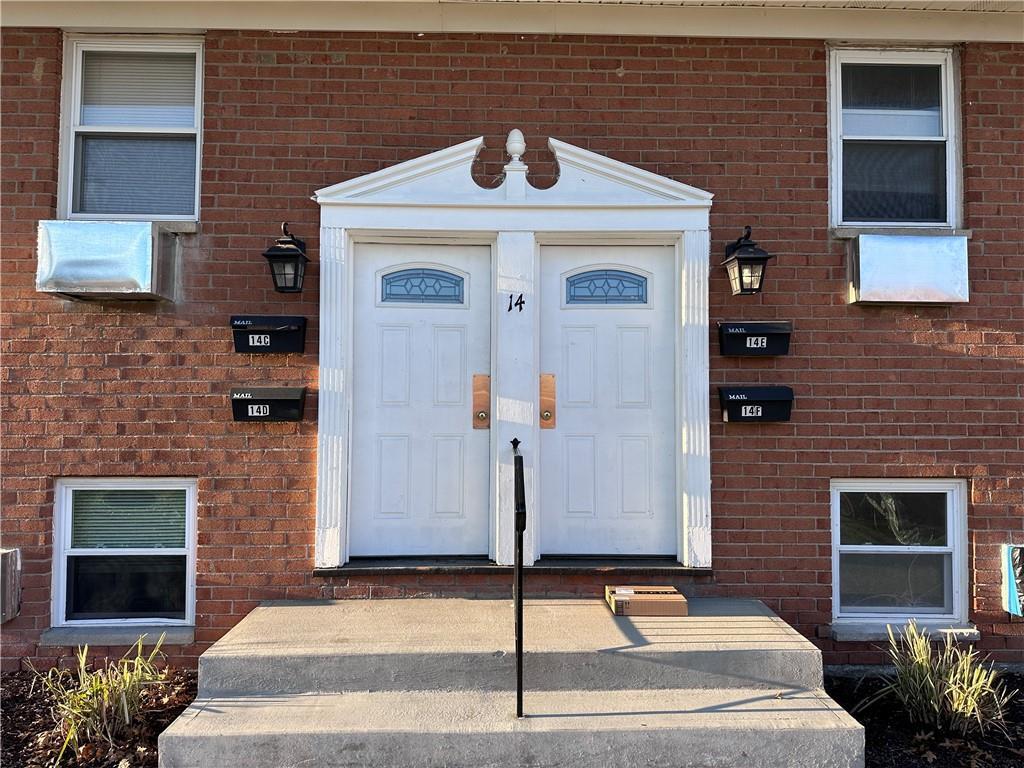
(743, 339)
(262, 334)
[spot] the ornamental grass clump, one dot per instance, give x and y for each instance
(943, 686)
(91, 705)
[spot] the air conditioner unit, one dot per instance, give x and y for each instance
(10, 584)
(107, 260)
(1013, 579)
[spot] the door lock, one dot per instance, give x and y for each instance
(547, 401)
(481, 401)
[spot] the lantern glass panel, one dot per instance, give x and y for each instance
(751, 274)
(734, 277)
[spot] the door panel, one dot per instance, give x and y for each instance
(607, 469)
(420, 471)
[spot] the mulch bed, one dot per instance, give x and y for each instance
(891, 742)
(29, 740)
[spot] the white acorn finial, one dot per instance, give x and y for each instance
(516, 144)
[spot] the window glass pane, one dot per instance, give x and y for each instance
(894, 181)
(606, 286)
(892, 100)
(895, 583)
(138, 88)
(135, 175)
(422, 286)
(128, 518)
(892, 519)
(126, 587)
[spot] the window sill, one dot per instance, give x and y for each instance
(847, 232)
(122, 634)
(860, 631)
(174, 226)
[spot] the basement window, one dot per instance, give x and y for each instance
(898, 550)
(125, 551)
(894, 159)
(131, 129)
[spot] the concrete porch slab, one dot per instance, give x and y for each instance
(572, 644)
(755, 728)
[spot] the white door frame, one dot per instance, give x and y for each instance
(433, 199)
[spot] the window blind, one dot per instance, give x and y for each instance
(135, 174)
(138, 88)
(143, 518)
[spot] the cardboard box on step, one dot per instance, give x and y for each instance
(645, 601)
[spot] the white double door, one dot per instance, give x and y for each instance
(421, 472)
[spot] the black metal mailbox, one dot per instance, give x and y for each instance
(749, 339)
(268, 403)
(269, 333)
(756, 403)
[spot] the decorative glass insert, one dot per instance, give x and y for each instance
(422, 286)
(606, 286)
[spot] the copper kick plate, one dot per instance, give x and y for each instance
(547, 401)
(481, 401)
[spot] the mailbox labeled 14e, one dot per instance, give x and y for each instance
(745, 339)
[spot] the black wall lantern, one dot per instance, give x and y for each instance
(745, 262)
(287, 259)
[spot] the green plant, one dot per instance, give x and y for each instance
(943, 685)
(102, 703)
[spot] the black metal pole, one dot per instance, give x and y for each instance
(517, 587)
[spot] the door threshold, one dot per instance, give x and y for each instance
(399, 565)
(550, 564)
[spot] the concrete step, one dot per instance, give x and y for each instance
(753, 728)
(416, 645)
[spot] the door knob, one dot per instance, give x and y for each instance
(546, 415)
(482, 415)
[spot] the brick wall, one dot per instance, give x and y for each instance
(881, 391)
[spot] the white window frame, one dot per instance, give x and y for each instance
(956, 527)
(63, 490)
(950, 129)
(71, 101)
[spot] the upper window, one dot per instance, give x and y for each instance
(606, 286)
(132, 111)
(898, 549)
(422, 285)
(894, 159)
(124, 551)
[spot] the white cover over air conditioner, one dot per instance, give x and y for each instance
(107, 259)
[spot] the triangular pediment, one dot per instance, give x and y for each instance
(446, 178)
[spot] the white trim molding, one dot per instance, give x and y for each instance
(62, 508)
(955, 492)
(779, 19)
(596, 200)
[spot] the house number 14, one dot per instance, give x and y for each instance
(520, 302)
